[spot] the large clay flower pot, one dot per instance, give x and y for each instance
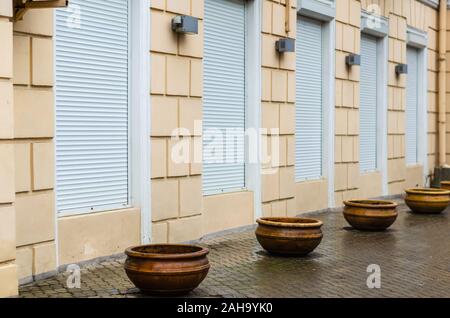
(427, 201)
(370, 215)
(166, 269)
(289, 236)
(445, 185)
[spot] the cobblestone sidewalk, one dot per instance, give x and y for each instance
(414, 256)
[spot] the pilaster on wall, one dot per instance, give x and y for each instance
(348, 40)
(420, 16)
(278, 110)
(448, 89)
(176, 102)
(8, 268)
(396, 101)
(33, 80)
(430, 24)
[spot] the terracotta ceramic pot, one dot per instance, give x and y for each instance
(370, 215)
(289, 236)
(166, 269)
(427, 201)
(445, 185)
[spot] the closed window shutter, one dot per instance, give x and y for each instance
(368, 104)
(92, 106)
(309, 102)
(411, 106)
(224, 94)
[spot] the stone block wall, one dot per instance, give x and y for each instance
(8, 268)
(180, 212)
(34, 156)
(278, 109)
(176, 99)
(401, 14)
(348, 40)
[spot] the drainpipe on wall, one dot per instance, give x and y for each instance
(442, 82)
(442, 171)
(287, 19)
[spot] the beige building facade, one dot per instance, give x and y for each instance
(170, 83)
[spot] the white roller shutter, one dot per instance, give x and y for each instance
(92, 106)
(309, 108)
(368, 104)
(411, 106)
(224, 95)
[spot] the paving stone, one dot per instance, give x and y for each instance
(414, 257)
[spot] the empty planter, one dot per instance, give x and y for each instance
(427, 201)
(289, 236)
(166, 269)
(370, 215)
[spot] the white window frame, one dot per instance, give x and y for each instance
(253, 11)
(253, 102)
(247, 58)
(325, 11)
(379, 28)
(105, 208)
(138, 118)
(419, 40)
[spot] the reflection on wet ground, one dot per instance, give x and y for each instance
(414, 257)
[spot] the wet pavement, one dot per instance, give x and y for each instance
(413, 255)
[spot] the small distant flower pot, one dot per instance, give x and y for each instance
(289, 236)
(427, 201)
(370, 215)
(166, 269)
(445, 185)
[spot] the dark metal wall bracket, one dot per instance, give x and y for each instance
(22, 6)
